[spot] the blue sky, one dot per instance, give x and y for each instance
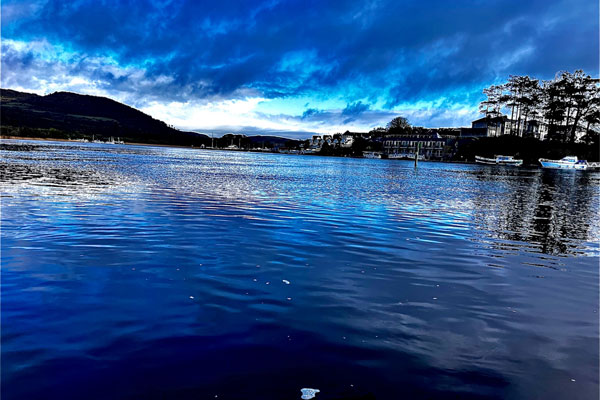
(293, 67)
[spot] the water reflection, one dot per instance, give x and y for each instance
(553, 210)
(171, 273)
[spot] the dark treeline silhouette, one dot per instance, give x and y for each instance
(569, 104)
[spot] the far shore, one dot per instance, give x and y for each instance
(5, 137)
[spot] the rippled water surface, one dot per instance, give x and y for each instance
(165, 273)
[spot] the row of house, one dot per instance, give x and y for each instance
(317, 141)
(431, 144)
(439, 143)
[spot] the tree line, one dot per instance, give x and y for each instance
(567, 104)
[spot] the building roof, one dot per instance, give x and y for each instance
(431, 135)
(415, 138)
(499, 118)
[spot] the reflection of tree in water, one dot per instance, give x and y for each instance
(554, 210)
(566, 209)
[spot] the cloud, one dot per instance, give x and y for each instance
(369, 57)
(353, 110)
(310, 112)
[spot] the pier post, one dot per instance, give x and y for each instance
(417, 148)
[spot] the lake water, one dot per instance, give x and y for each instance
(166, 273)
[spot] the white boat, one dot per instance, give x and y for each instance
(593, 165)
(371, 154)
(499, 160)
(569, 162)
(405, 156)
(94, 140)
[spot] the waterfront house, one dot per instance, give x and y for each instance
(347, 140)
(494, 126)
(502, 125)
(472, 132)
(314, 145)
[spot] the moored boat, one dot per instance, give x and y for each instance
(569, 162)
(405, 156)
(499, 160)
(593, 165)
(371, 154)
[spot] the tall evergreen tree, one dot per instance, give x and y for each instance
(568, 104)
(492, 105)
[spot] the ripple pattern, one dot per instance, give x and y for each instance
(156, 272)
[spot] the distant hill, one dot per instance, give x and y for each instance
(72, 116)
(258, 140)
(255, 141)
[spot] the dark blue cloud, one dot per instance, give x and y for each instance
(310, 112)
(353, 110)
(384, 52)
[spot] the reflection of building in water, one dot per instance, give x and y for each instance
(553, 210)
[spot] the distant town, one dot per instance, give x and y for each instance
(563, 113)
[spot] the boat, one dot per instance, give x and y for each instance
(569, 162)
(371, 154)
(499, 160)
(405, 156)
(593, 165)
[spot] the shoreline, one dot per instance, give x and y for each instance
(3, 137)
(530, 166)
(208, 148)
